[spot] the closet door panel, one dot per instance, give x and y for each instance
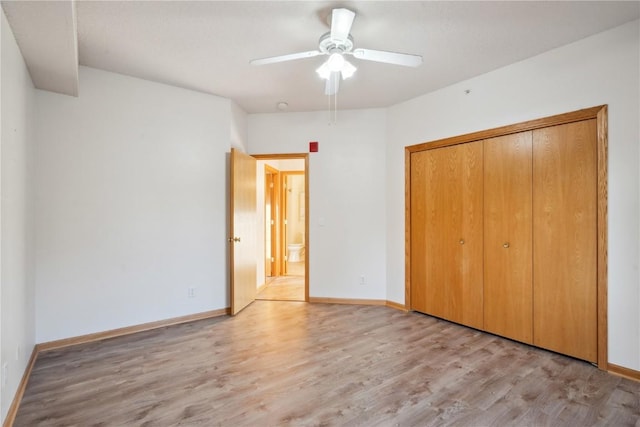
(470, 311)
(508, 295)
(565, 240)
(448, 233)
(442, 222)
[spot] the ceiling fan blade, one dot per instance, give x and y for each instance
(333, 83)
(289, 57)
(341, 21)
(395, 58)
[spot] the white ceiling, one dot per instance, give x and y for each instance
(207, 46)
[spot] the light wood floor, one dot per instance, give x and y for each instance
(283, 288)
(290, 363)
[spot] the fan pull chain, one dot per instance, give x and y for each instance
(333, 109)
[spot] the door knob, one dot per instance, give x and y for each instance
(506, 245)
(462, 241)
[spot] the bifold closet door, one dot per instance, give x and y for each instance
(508, 294)
(446, 233)
(565, 239)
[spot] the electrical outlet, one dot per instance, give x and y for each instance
(362, 281)
(191, 292)
(5, 370)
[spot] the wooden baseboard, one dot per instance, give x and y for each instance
(82, 339)
(15, 404)
(623, 372)
(355, 301)
(397, 306)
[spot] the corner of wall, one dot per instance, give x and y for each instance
(17, 292)
(238, 123)
(2, 25)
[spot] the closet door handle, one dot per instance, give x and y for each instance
(462, 241)
(506, 245)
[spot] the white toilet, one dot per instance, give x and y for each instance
(296, 251)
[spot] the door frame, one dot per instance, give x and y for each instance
(601, 115)
(284, 205)
(275, 217)
(305, 157)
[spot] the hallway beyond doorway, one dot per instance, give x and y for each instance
(283, 193)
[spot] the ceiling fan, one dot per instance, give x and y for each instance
(336, 44)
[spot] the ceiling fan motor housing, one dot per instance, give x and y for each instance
(328, 46)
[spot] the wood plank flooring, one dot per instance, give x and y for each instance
(291, 363)
(283, 288)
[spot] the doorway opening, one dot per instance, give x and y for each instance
(283, 207)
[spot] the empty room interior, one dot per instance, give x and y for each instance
(320, 213)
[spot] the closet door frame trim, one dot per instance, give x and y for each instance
(600, 114)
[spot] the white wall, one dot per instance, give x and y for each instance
(238, 117)
(16, 260)
(346, 182)
(602, 69)
(131, 189)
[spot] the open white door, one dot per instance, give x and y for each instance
(243, 240)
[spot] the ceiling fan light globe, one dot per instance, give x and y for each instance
(323, 71)
(335, 62)
(348, 70)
